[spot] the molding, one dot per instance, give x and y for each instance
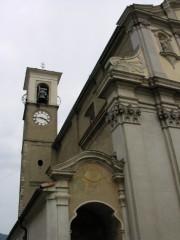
(171, 57)
(160, 30)
(57, 174)
(115, 77)
(119, 179)
(68, 168)
(164, 83)
(169, 118)
(123, 114)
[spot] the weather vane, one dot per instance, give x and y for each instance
(43, 65)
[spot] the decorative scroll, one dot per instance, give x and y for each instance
(121, 114)
(131, 65)
(169, 118)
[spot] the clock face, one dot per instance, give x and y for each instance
(41, 118)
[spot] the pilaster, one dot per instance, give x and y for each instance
(61, 199)
(119, 179)
(136, 144)
(169, 118)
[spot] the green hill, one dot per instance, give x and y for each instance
(3, 236)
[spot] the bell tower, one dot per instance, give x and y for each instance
(40, 129)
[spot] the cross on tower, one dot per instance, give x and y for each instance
(43, 65)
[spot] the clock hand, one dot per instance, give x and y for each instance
(43, 118)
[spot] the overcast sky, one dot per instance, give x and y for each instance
(68, 36)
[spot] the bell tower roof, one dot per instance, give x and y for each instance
(40, 72)
(41, 85)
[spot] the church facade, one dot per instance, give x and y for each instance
(113, 170)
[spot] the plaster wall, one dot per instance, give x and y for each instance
(84, 121)
(174, 135)
(170, 71)
(69, 141)
(150, 187)
(93, 182)
(37, 226)
(177, 13)
(79, 125)
(166, 205)
(32, 175)
(33, 131)
(125, 48)
(102, 142)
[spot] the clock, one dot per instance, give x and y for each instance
(41, 118)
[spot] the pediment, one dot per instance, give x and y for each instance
(160, 30)
(66, 169)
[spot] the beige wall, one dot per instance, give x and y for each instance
(37, 226)
(92, 182)
(149, 147)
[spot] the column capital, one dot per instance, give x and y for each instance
(138, 23)
(120, 114)
(169, 117)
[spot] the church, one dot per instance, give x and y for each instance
(113, 170)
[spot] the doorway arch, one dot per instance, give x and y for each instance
(95, 221)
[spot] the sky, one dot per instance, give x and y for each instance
(69, 37)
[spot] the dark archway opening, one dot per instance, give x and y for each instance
(95, 221)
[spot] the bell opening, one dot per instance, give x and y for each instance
(42, 93)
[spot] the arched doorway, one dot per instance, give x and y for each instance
(95, 221)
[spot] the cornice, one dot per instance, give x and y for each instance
(114, 77)
(57, 174)
(68, 167)
(164, 83)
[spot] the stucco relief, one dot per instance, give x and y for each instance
(89, 178)
(169, 118)
(121, 113)
(133, 64)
